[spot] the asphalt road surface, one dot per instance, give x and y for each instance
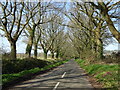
(68, 76)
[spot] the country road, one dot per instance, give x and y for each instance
(68, 76)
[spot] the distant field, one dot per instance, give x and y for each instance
(41, 56)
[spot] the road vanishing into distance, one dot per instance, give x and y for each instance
(68, 76)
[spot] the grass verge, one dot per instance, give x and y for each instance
(8, 78)
(105, 74)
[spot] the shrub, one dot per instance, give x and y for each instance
(14, 66)
(8, 78)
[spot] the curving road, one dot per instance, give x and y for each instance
(68, 76)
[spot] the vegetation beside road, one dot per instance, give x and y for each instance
(15, 66)
(48, 29)
(106, 74)
(7, 78)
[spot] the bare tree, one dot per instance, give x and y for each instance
(45, 41)
(55, 30)
(60, 43)
(13, 22)
(43, 10)
(109, 11)
(90, 28)
(37, 39)
(31, 27)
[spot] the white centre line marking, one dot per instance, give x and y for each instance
(63, 74)
(59, 82)
(56, 85)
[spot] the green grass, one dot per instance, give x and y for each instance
(15, 66)
(104, 73)
(10, 77)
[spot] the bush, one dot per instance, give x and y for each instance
(14, 66)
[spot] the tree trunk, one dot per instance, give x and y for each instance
(29, 48)
(52, 55)
(99, 44)
(99, 49)
(57, 54)
(45, 54)
(113, 30)
(35, 51)
(13, 50)
(30, 42)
